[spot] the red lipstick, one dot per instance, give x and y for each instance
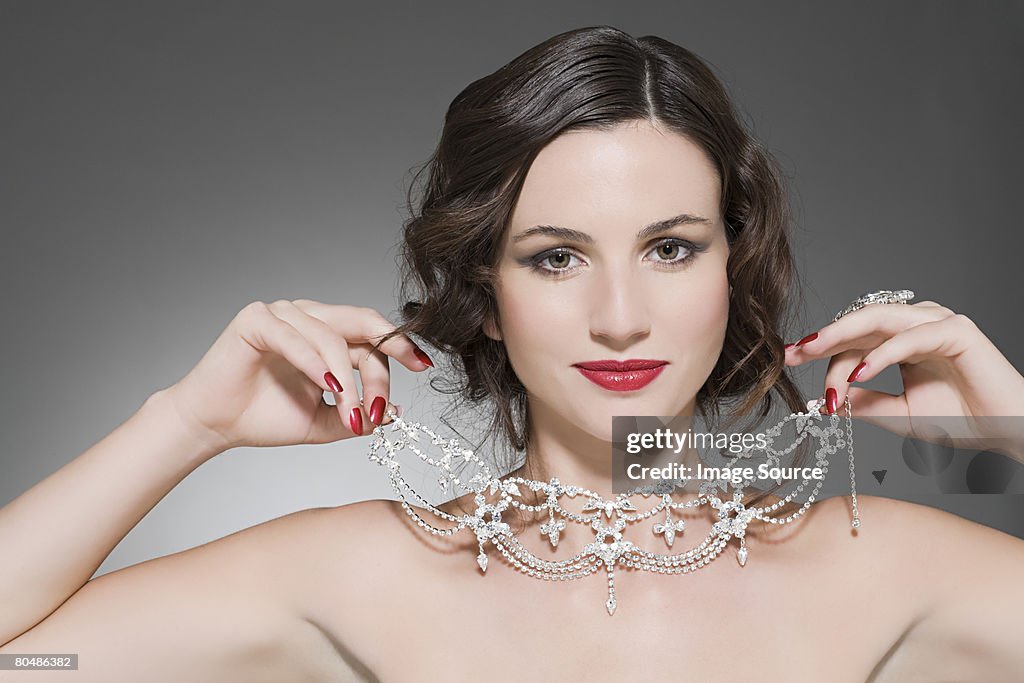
(626, 375)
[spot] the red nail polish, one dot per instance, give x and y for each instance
(424, 358)
(856, 372)
(332, 382)
(809, 338)
(355, 420)
(377, 410)
(788, 346)
(831, 400)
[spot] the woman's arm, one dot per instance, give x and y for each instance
(56, 534)
(233, 609)
(239, 604)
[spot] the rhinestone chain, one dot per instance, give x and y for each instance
(609, 548)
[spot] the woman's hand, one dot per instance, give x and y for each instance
(950, 369)
(262, 381)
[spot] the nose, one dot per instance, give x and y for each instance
(620, 308)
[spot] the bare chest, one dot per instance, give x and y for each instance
(737, 623)
(809, 606)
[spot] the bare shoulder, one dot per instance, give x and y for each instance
(885, 517)
(920, 535)
(939, 535)
(366, 572)
(235, 608)
(345, 547)
(370, 543)
(366, 535)
(963, 576)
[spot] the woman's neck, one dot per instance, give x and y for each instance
(562, 450)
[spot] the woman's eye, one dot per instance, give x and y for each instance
(668, 252)
(557, 260)
(673, 253)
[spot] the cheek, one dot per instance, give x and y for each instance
(703, 311)
(529, 319)
(534, 320)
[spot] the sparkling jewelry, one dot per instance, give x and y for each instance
(883, 296)
(607, 518)
(609, 548)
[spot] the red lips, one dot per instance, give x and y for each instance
(621, 365)
(626, 375)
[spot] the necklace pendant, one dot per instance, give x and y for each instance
(669, 528)
(551, 529)
(481, 558)
(610, 605)
(741, 556)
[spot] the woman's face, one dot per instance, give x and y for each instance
(601, 292)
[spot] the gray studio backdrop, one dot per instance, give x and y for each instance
(163, 164)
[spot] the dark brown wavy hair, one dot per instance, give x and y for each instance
(590, 78)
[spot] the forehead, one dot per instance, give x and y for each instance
(631, 172)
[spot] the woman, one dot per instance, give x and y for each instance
(526, 261)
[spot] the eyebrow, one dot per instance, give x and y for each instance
(644, 233)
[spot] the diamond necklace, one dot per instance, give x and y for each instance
(609, 548)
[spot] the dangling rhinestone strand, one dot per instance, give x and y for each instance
(610, 604)
(487, 524)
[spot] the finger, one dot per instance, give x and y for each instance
(264, 331)
(329, 426)
(935, 339)
(371, 362)
(836, 385)
(865, 329)
(333, 348)
(361, 324)
(375, 374)
(391, 410)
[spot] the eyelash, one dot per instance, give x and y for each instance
(535, 262)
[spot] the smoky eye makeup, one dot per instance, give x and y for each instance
(682, 253)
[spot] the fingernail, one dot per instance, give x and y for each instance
(355, 421)
(424, 358)
(831, 400)
(377, 410)
(332, 382)
(809, 338)
(856, 372)
(787, 346)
